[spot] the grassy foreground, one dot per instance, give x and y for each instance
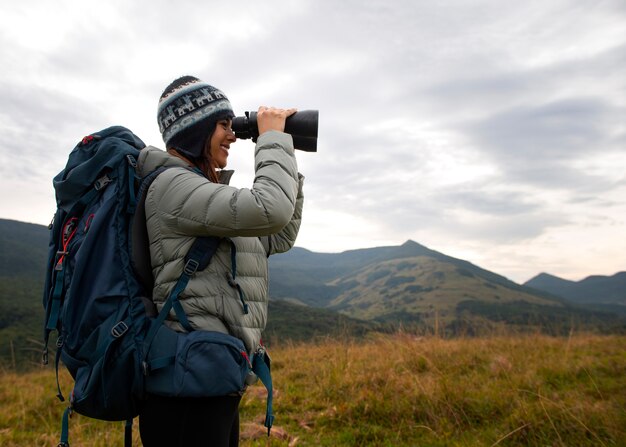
(395, 390)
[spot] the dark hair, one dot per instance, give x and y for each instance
(205, 162)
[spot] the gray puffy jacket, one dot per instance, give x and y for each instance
(257, 222)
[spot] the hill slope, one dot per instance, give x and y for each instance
(592, 290)
(311, 277)
(377, 283)
(348, 293)
(413, 284)
(421, 285)
(23, 251)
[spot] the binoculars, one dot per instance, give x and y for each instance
(302, 126)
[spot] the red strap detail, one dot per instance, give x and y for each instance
(245, 355)
(67, 237)
(88, 223)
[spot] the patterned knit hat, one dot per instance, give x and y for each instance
(188, 112)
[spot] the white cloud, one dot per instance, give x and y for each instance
(486, 130)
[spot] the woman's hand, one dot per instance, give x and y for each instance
(271, 118)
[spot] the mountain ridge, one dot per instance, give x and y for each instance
(316, 294)
(295, 267)
(593, 289)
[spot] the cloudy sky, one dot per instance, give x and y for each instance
(489, 130)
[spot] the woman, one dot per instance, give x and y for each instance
(193, 199)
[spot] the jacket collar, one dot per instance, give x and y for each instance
(225, 176)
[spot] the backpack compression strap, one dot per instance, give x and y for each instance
(197, 258)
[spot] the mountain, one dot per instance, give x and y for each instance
(605, 290)
(308, 277)
(411, 273)
(23, 248)
(23, 251)
(412, 284)
(423, 285)
(331, 294)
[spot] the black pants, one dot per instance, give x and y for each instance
(190, 422)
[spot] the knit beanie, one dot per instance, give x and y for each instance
(188, 111)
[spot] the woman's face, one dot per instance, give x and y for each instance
(221, 140)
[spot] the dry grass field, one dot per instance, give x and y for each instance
(394, 390)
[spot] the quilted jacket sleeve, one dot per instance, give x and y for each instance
(286, 238)
(191, 205)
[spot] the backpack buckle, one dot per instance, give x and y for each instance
(59, 260)
(119, 329)
(191, 266)
(102, 182)
(131, 160)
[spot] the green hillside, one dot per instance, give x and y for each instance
(315, 278)
(299, 323)
(23, 251)
(417, 286)
(326, 295)
(413, 285)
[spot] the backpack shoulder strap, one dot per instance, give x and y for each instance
(140, 245)
(197, 258)
(201, 251)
